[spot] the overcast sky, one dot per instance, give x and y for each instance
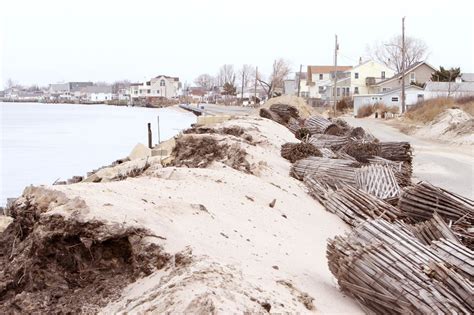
(52, 41)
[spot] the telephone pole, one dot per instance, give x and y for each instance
(255, 87)
(299, 81)
(403, 64)
(243, 79)
(336, 47)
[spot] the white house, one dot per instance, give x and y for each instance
(97, 93)
(318, 77)
(360, 80)
(160, 86)
(413, 94)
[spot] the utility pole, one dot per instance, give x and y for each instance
(336, 47)
(255, 87)
(299, 81)
(242, 95)
(403, 64)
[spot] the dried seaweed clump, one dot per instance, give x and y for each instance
(201, 151)
(297, 151)
(302, 133)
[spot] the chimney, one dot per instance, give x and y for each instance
(360, 60)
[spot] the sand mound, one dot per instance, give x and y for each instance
(303, 108)
(50, 263)
(454, 125)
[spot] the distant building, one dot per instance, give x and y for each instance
(96, 93)
(420, 73)
(68, 90)
(454, 89)
(161, 86)
(413, 95)
(318, 77)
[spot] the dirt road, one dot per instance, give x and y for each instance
(447, 166)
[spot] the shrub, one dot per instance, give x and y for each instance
(344, 104)
(365, 111)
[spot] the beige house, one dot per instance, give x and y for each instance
(361, 79)
(318, 77)
(420, 72)
(160, 86)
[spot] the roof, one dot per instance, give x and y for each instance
(409, 69)
(467, 77)
(327, 69)
(454, 87)
(167, 77)
(97, 89)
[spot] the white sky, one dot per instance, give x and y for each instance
(50, 41)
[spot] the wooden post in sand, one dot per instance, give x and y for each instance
(149, 136)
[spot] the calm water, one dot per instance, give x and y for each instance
(43, 142)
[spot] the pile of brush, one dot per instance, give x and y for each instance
(297, 151)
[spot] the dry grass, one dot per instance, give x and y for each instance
(365, 111)
(426, 111)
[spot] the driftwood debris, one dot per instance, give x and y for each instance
(389, 271)
(377, 180)
(285, 111)
(297, 151)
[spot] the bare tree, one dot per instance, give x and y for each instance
(390, 52)
(10, 83)
(281, 69)
(246, 74)
(204, 80)
(226, 75)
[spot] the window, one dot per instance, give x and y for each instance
(148, 83)
(356, 75)
(320, 76)
(321, 89)
(394, 99)
(338, 91)
(348, 91)
(384, 89)
(356, 90)
(412, 77)
(135, 92)
(382, 75)
(148, 91)
(162, 83)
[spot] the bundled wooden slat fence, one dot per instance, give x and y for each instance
(432, 230)
(377, 180)
(324, 166)
(422, 200)
(396, 151)
(320, 125)
(402, 170)
(329, 141)
(355, 206)
(457, 255)
(285, 111)
(297, 151)
(327, 153)
(389, 271)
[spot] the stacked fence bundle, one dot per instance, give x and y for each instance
(455, 254)
(266, 113)
(332, 167)
(362, 150)
(328, 153)
(377, 180)
(321, 186)
(297, 151)
(294, 125)
(320, 125)
(355, 206)
(421, 201)
(389, 271)
(328, 141)
(396, 151)
(285, 111)
(432, 230)
(402, 170)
